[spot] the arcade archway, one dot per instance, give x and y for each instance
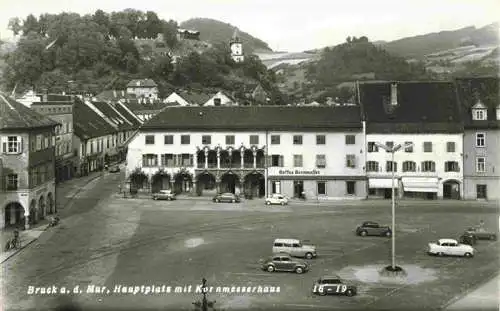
(13, 214)
(254, 185)
(229, 182)
(451, 189)
(205, 183)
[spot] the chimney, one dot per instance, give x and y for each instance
(394, 94)
(114, 93)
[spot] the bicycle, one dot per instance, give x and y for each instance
(14, 243)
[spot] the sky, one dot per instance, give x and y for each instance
(291, 25)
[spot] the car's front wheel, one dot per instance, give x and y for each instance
(299, 270)
(282, 203)
(309, 255)
(388, 234)
(440, 254)
(349, 293)
(493, 237)
(268, 203)
(217, 200)
(363, 233)
(270, 268)
(468, 255)
(233, 201)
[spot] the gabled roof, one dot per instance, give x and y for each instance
(256, 117)
(142, 83)
(118, 106)
(52, 103)
(55, 97)
(113, 116)
(87, 123)
(136, 107)
(484, 90)
(422, 107)
(195, 97)
(14, 115)
(114, 95)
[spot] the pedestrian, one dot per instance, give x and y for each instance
(481, 226)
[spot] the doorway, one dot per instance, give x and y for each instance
(298, 188)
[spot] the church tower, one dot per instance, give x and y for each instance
(236, 48)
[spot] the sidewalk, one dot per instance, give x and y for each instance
(66, 190)
(484, 297)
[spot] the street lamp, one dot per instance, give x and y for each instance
(393, 150)
(204, 304)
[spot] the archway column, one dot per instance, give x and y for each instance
(254, 159)
(218, 158)
(217, 183)
(206, 159)
(194, 184)
(242, 161)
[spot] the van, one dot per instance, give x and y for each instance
(294, 247)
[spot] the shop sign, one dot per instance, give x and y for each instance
(299, 172)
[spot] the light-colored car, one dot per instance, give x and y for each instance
(277, 199)
(284, 262)
(450, 247)
(164, 195)
(295, 248)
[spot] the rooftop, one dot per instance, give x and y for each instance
(251, 117)
(135, 106)
(126, 114)
(142, 83)
(114, 95)
(422, 107)
(87, 123)
(112, 115)
(473, 90)
(14, 115)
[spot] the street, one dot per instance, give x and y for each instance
(107, 241)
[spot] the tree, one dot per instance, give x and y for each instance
(170, 33)
(30, 24)
(15, 25)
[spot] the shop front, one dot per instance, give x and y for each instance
(420, 187)
(382, 187)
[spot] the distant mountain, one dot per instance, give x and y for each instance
(214, 31)
(419, 46)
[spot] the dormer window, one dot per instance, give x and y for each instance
(479, 111)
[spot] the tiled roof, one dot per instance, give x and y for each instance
(112, 115)
(55, 97)
(487, 91)
(114, 95)
(422, 107)
(142, 83)
(126, 114)
(14, 115)
(262, 117)
(49, 103)
(87, 123)
(195, 97)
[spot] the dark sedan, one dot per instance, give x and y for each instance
(481, 234)
(226, 197)
(373, 228)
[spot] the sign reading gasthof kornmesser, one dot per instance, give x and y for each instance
(157, 289)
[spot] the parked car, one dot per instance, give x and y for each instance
(114, 169)
(284, 262)
(373, 228)
(450, 247)
(294, 247)
(333, 285)
(226, 197)
(277, 199)
(481, 234)
(468, 238)
(164, 195)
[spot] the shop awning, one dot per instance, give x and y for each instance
(420, 184)
(381, 183)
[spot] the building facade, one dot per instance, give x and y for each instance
(143, 88)
(481, 114)
(66, 156)
(425, 116)
(236, 47)
(28, 164)
(211, 149)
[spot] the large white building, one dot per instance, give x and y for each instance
(425, 116)
(315, 151)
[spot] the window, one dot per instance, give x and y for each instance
(297, 139)
(372, 166)
(451, 166)
(320, 161)
(480, 164)
(480, 139)
(350, 187)
(38, 142)
(107, 143)
(277, 160)
(389, 165)
(186, 159)
(389, 145)
(45, 142)
(350, 160)
(297, 160)
(12, 144)
(185, 139)
(450, 146)
(275, 139)
(206, 140)
(479, 114)
(217, 101)
(12, 182)
(167, 159)
(254, 139)
(229, 139)
(150, 139)
(276, 187)
(481, 191)
(428, 166)
(372, 147)
(321, 188)
(168, 139)
(320, 140)
(149, 160)
(409, 148)
(42, 172)
(427, 146)
(409, 166)
(350, 139)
